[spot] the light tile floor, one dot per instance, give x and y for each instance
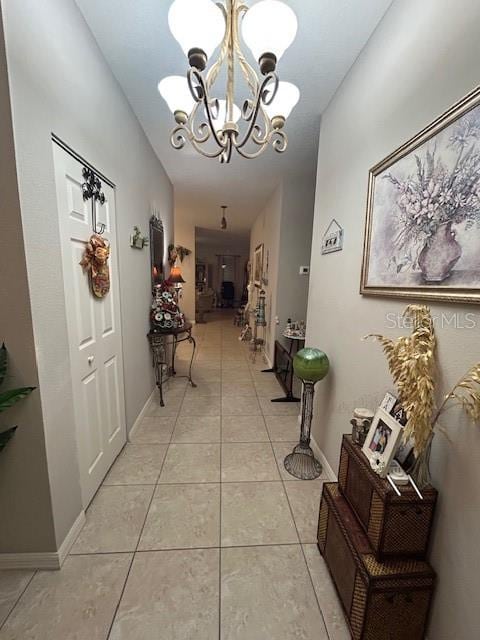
(198, 532)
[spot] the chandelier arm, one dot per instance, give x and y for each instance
(257, 136)
(247, 70)
(227, 153)
(207, 154)
(252, 156)
(280, 140)
(232, 32)
(214, 70)
(179, 136)
(194, 74)
(259, 99)
(201, 132)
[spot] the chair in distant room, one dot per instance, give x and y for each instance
(204, 304)
(228, 294)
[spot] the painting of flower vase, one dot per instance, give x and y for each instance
(422, 236)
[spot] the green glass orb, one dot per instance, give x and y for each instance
(311, 365)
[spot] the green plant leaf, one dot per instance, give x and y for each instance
(9, 398)
(5, 436)
(3, 362)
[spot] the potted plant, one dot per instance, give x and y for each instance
(9, 398)
(432, 201)
(412, 364)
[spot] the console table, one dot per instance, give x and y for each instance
(159, 343)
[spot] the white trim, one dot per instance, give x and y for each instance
(329, 472)
(70, 538)
(50, 560)
(140, 417)
(269, 362)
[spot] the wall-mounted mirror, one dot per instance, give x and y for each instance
(157, 250)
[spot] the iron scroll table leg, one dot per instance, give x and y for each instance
(174, 349)
(191, 339)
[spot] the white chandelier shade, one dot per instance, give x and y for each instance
(269, 26)
(285, 100)
(196, 24)
(221, 118)
(217, 127)
(176, 93)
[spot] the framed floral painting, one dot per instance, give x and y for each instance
(422, 236)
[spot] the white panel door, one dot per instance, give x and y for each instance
(93, 328)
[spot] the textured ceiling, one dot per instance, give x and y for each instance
(134, 38)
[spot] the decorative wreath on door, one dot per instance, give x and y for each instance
(95, 261)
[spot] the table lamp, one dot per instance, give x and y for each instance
(176, 280)
(310, 366)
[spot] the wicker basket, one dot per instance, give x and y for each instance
(382, 601)
(395, 525)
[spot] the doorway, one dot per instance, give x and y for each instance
(94, 329)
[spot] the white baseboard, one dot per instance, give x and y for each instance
(140, 416)
(70, 538)
(269, 362)
(48, 561)
(329, 472)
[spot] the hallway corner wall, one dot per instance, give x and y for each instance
(24, 482)
(266, 231)
(422, 58)
(285, 229)
(60, 83)
(184, 234)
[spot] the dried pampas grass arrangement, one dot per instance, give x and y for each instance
(411, 361)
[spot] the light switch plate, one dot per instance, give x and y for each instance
(304, 271)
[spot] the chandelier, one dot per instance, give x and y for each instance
(211, 124)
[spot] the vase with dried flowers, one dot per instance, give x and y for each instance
(412, 364)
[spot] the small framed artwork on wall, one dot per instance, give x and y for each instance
(422, 235)
(258, 266)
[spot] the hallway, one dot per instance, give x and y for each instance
(198, 532)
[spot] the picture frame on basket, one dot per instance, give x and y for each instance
(382, 441)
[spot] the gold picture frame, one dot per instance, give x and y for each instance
(403, 277)
(258, 266)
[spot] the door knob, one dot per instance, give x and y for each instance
(90, 359)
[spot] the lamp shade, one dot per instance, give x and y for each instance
(285, 100)
(176, 93)
(196, 24)
(269, 26)
(175, 276)
(221, 119)
(311, 365)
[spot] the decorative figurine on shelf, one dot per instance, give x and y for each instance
(165, 314)
(294, 330)
(310, 365)
(95, 262)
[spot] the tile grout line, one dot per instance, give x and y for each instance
(220, 504)
(14, 606)
(141, 532)
(282, 478)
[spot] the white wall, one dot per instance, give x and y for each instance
(185, 236)
(24, 497)
(295, 248)
(266, 231)
(60, 83)
(422, 58)
(285, 229)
